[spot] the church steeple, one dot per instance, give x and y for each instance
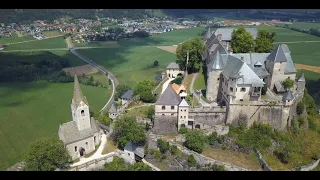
(207, 35)
(77, 93)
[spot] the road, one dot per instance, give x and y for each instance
(103, 70)
(165, 84)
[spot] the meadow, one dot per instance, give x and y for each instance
(15, 38)
(73, 59)
(304, 25)
(33, 110)
(131, 65)
(110, 44)
(39, 44)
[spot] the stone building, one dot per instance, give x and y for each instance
(113, 112)
(173, 70)
(82, 134)
(126, 97)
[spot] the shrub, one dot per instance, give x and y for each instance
(315, 156)
(300, 121)
(213, 138)
(156, 153)
(300, 108)
(195, 140)
(312, 124)
(191, 161)
(175, 151)
(155, 63)
(163, 146)
(288, 83)
(216, 167)
(183, 130)
(283, 156)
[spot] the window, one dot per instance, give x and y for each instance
(82, 112)
(181, 110)
(172, 114)
(185, 117)
(190, 123)
(236, 89)
(86, 144)
(231, 89)
(218, 79)
(172, 107)
(185, 110)
(243, 90)
(241, 99)
(94, 139)
(128, 154)
(163, 107)
(75, 149)
(162, 114)
(181, 117)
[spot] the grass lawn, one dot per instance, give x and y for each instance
(310, 145)
(131, 65)
(308, 75)
(52, 43)
(109, 147)
(139, 111)
(165, 39)
(304, 25)
(305, 53)
(199, 82)
(35, 109)
(101, 78)
(249, 161)
(52, 33)
(97, 44)
(191, 101)
(15, 38)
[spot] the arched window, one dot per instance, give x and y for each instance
(197, 126)
(182, 125)
(82, 112)
(75, 149)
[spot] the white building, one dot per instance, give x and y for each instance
(173, 70)
(82, 134)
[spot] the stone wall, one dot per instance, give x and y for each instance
(311, 166)
(207, 117)
(165, 125)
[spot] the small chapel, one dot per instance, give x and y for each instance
(82, 134)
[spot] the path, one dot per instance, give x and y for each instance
(165, 84)
(98, 154)
(200, 100)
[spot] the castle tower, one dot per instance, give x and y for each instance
(183, 114)
(213, 74)
(207, 35)
(288, 98)
(276, 63)
(80, 107)
(301, 83)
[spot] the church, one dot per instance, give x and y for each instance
(82, 134)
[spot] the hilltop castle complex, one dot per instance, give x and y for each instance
(241, 88)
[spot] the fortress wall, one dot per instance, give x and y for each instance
(165, 124)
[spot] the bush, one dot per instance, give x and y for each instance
(312, 124)
(183, 130)
(288, 83)
(175, 151)
(192, 161)
(216, 167)
(300, 108)
(195, 140)
(283, 156)
(300, 120)
(213, 138)
(163, 146)
(315, 156)
(155, 63)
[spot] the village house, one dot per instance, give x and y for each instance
(113, 111)
(127, 96)
(82, 134)
(173, 70)
(134, 152)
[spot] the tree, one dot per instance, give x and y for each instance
(144, 90)
(117, 164)
(120, 90)
(150, 113)
(300, 108)
(163, 146)
(141, 34)
(195, 140)
(127, 129)
(139, 166)
(264, 41)
(242, 41)
(46, 154)
(288, 83)
(155, 63)
(195, 47)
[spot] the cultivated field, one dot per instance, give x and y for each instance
(52, 33)
(39, 44)
(32, 110)
(304, 25)
(15, 38)
(79, 70)
(131, 65)
(110, 44)
(165, 39)
(171, 49)
(315, 69)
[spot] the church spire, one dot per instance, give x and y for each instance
(77, 93)
(208, 34)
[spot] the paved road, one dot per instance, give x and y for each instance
(103, 70)
(165, 84)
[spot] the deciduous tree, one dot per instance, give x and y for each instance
(242, 41)
(264, 41)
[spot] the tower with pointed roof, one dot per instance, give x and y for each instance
(207, 35)
(301, 83)
(183, 115)
(278, 64)
(80, 107)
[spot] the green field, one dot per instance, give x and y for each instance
(101, 78)
(304, 25)
(39, 44)
(33, 110)
(15, 38)
(165, 39)
(131, 65)
(73, 59)
(97, 44)
(309, 75)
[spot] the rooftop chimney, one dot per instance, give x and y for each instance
(219, 37)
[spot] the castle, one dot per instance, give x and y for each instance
(234, 86)
(82, 134)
